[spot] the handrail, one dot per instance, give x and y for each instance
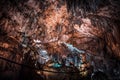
(24, 65)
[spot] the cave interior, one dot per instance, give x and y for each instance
(59, 40)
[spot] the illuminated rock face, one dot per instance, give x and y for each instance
(52, 22)
(9, 49)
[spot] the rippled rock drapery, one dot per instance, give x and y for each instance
(89, 25)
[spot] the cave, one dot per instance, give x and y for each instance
(59, 40)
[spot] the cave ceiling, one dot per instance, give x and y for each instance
(90, 26)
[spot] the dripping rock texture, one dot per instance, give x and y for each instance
(90, 25)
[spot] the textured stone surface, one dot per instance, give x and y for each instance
(92, 26)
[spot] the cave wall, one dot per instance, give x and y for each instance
(92, 26)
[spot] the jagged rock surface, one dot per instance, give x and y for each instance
(92, 26)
